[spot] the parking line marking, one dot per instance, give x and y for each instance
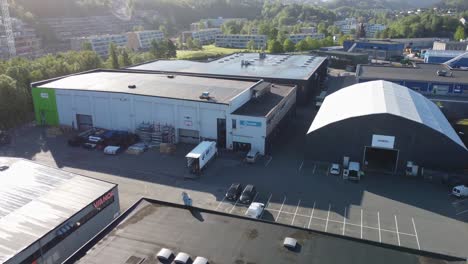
(297, 208)
(361, 223)
(328, 170)
(266, 205)
(217, 207)
(311, 215)
(462, 212)
(415, 232)
(344, 221)
(281, 208)
(398, 234)
(253, 200)
(313, 171)
(300, 167)
(459, 201)
(234, 206)
(380, 233)
(269, 160)
(328, 217)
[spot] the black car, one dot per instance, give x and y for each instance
(234, 192)
(5, 138)
(248, 194)
(80, 139)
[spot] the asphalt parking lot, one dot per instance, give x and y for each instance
(393, 210)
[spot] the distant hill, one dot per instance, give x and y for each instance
(384, 4)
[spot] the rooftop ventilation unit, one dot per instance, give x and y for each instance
(205, 95)
(164, 254)
(290, 243)
(182, 258)
(131, 86)
(171, 76)
(200, 260)
(245, 63)
(261, 89)
(4, 167)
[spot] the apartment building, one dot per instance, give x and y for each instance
(298, 37)
(213, 23)
(141, 40)
(240, 41)
(373, 29)
(100, 44)
(27, 44)
(204, 36)
(347, 25)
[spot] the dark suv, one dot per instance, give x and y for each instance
(234, 192)
(248, 194)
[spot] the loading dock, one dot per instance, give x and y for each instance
(380, 159)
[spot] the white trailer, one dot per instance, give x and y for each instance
(200, 156)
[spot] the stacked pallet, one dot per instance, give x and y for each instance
(155, 134)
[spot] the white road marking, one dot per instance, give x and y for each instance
(281, 208)
(416, 233)
(344, 221)
(313, 171)
(297, 208)
(255, 197)
(459, 201)
(328, 170)
(462, 212)
(328, 217)
(269, 160)
(380, 233)
(311, 215)
(266, 205)
(217, 207)
(234, 206)
(300, 167)
(398, 234)
(361, 223)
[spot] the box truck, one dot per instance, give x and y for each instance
(199, 157)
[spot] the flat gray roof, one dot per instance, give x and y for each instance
(138, 235)
(266, 103)
(159, 85)
(422, 73)
(36, 199)
(295, 67)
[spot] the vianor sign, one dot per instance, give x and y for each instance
(103, 200)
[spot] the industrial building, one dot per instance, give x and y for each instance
(377, 49)
(305, 71)
(341, 59)
(151, 225)
(298, 37)
(450, 45)
(240, 41)
(47, 214)
(441, 56)
(384, 125)
(238, 114)
(418, 43)
(204, 36)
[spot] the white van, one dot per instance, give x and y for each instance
(460, 191)
(255, 210)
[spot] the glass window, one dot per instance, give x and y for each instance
(234, 123)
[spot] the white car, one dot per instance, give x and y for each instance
(252, 156)
(255, 210)
(460, 191)
(335, 169)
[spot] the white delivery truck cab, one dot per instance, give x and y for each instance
(460, 191)
(199, 157)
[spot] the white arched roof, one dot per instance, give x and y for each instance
(382, 97)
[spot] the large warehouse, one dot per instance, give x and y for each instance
(384, 125)
(238, 114)
(47, 214)
(305, 71)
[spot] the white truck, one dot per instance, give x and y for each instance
(199, 157)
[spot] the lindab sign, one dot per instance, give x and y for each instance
(104, 200)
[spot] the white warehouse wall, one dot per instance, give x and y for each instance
(126, 112)
(249, 129)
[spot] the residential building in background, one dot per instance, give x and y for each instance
(373, 29)
(298, 37)
(346, 26)
(27, 43)
(212, 23)
(204, 36)
(141, 40)
(240, 41)
(308, 30)
(450, 45)
(100, 44)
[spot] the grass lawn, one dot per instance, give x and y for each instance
(208, 51)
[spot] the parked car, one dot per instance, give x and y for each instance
(255, 210)
(252, 156)
(81, 138)
(5, 138)
(248, 194)
(234, 192)
(115, 138)
(335, 169)
(94, 139)
(460, 191)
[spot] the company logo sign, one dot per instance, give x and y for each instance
(250, 123)
(45, 95)
(104, 200)
(381, 141)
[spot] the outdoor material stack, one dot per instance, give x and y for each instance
(155, 134)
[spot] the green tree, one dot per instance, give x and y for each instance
(86, 46)
(124, 59)
(12, 103)
(171, 51)
(288, 45)
(251, 45)
(312, 43)
(274, 46)
(189, 43)
(302, 45)
(155, 49)
(197, 45)
(459, 34)
(113, 60)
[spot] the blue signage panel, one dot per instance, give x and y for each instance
(250, 123)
